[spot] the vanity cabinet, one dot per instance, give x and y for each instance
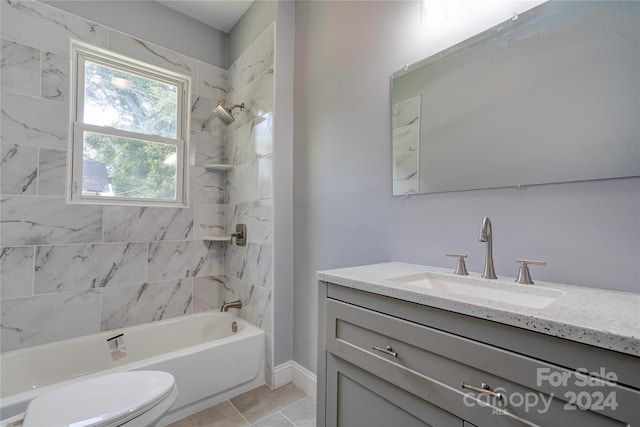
(361, 398)
(387, 362)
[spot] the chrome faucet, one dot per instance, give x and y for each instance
(486, 236)
(233, 304)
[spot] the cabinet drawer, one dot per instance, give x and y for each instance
(433, 365)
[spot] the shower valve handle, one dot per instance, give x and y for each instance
(240, 235)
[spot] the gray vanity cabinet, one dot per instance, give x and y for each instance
(386, 362)
(362, 399)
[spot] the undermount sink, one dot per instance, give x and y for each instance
(494, 290)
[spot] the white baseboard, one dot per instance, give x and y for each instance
(292, 371)
(282, 374)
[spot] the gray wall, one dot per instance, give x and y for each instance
(258, 17)
(344, 214)
(254, 21)
(282, 182)
(156, 23)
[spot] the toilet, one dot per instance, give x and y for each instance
(136, 398)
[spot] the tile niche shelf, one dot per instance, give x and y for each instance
(240, 235)
(218, 167)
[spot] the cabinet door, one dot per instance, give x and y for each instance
(433, 365)
(357, 398)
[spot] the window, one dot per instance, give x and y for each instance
(129, 131)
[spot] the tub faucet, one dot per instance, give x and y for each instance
(486, 236)
(233, 304)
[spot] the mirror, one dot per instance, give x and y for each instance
(552, 96)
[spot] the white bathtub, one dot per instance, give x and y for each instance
(210, 362)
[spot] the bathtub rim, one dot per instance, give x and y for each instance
(17, 400)
(124, 329)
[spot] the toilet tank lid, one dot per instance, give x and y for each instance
(102, 401)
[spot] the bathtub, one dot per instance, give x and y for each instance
(209, 361)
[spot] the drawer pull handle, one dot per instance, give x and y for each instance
(484, 388)
(387, 350)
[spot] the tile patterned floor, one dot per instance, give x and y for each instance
(287, 406)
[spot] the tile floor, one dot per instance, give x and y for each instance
(287, 406)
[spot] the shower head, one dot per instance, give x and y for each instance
(224, 113)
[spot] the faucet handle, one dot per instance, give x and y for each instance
(461, 268)
(523, 275)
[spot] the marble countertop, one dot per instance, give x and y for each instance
(598, 317)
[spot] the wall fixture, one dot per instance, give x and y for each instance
(240, 235)
(225, 114)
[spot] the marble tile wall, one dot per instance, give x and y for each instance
(406, 138)
(249, 186)
(69, 270)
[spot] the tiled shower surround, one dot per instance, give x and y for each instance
(70, 270)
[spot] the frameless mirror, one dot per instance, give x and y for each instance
(552, 96)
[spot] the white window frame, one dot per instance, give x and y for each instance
(80, 52)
